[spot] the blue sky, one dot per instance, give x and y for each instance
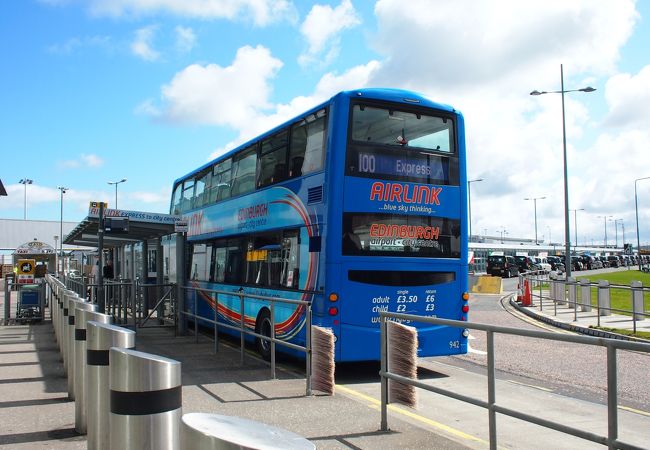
(99, 90)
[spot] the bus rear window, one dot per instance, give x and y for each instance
(394, 235)
(373, 125)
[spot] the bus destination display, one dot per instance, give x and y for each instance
(428, 167)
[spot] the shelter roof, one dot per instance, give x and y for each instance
(142, 226)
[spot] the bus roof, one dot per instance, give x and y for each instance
(389, 94)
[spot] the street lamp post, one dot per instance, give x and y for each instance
(116, 183)
(616, 221)
(63, 191)
(534, 199)
(575, 223)
(636, 209)
(605, 220)
(25, 182)
(469, 203)
(567, 236)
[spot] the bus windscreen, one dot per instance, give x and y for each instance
(397, 235)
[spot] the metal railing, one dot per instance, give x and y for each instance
(243, 330)
(612, 345)
(572, 293)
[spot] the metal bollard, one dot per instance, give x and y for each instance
(100, 338)
(146, 401)
(74, 307)
(216, 432)
(604, 302)
(68, 299)
(82, 317)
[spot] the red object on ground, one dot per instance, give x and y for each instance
(527, 299)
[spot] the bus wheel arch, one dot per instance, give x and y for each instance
(263, 327)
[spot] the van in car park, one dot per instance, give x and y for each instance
(543, 264)
(503, 266)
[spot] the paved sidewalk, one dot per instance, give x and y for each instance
(567, 317)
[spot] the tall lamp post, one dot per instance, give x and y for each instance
(534, 199)
(616, 221)
(25, 182)
(63, 191)
(469, 203)
(575, 223)
(567, 235)
(605, 220)
(636, 209)
(116, 183)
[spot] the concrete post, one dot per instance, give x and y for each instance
(637, 300)
(146, 401)
(604, 302)
(573, 292)
(585, 295)
(100, 339)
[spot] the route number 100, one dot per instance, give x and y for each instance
(366, 163)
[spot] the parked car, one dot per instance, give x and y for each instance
(542, 264)
(604, 261)
(592, 262)
(576, 263)
(500, 265)
(613, 261)
(525, 264)
(556, 263)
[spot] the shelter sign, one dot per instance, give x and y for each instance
(26, 268)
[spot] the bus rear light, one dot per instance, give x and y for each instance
(465, 308)
(464, 318)
(333, 297)
(465, 333)
(465, 296)
(333, 310)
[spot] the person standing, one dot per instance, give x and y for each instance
(108, 270)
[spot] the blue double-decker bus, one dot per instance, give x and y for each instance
(357, 206)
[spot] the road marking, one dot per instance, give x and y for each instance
(376, 404)
(530, 321)
(636, 411)
(475, 351)
(531, 386)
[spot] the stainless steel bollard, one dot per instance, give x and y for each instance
(82, 317)
(212, 431)
(74, 307)
(68, 299)
(146, 401)
(99, 340)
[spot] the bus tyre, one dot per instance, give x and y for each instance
(263, 327)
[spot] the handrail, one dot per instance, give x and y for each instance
(243, 331)
(612, 345)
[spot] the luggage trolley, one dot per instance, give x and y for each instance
(30, 305)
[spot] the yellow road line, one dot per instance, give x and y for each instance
(531, 386)
(636, 411)
(375, 404)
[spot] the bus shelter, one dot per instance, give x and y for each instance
(123, 233)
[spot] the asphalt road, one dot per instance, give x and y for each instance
(574, 370)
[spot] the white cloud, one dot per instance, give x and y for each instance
(260, 12)
(185, 39)
(89, 160)
(142, 44)
(321, 29)
(232, 96)
(628, 98)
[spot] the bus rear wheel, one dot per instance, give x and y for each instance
(263, 327)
